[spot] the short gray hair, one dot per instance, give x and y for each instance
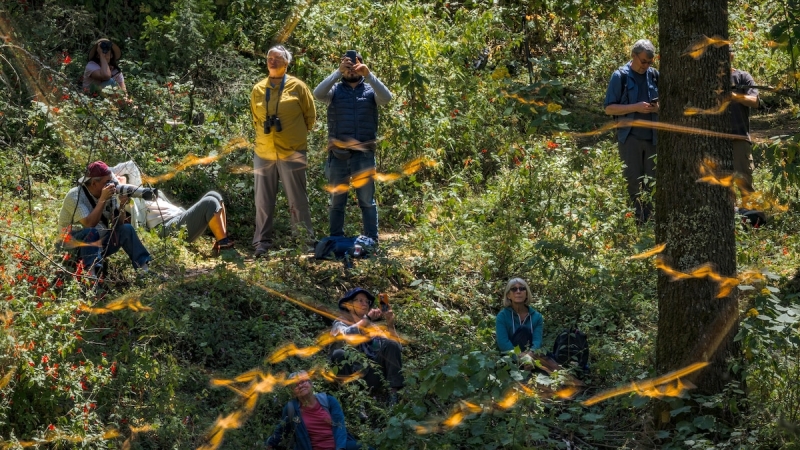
(287, 55)
(513, 282)
(644, 45)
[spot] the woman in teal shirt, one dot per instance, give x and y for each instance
(518, 324)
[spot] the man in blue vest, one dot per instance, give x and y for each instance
(632, 94)
(353, 95)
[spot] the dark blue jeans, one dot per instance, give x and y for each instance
(92, 255)
(339, 172)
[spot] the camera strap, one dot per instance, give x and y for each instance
(92, 202)
(280, 94)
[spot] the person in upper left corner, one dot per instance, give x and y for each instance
(636, 99)
(283, 113)
(102, 69)
(352, 139)
(92, 218)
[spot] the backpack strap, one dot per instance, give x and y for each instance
(322, 398)
(94, 205)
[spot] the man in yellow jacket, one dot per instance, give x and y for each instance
(283, 113)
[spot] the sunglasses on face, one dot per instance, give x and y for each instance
(518, 289)
(300, 383)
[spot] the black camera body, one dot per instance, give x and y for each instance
(271, 121)
(105, 46)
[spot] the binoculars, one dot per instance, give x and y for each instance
(105, 46)
(270, 122)
(135, 191)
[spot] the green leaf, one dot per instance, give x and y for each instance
(682, 410)
(591, 417)
(705, 422)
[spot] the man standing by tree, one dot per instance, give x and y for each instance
(352, 132)
(632, 94)
(743, 97)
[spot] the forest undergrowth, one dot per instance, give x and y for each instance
(512, 189)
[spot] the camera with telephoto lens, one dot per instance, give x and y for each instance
(105, 46)
(272, 121)
(135, 191)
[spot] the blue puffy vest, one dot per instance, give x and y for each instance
(353, 113)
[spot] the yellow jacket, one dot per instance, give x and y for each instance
(296, 113)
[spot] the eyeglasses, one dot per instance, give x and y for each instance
(518, 289)
(300, 383)
(644, 62)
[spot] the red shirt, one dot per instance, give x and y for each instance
(320, 427)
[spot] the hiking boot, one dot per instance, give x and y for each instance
(262, 249)
(222, 244)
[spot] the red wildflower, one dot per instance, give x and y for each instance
(67, 59)
(51, 427)
(45, 359)
(552, 145)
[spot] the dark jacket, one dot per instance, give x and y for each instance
(352, 111)
(626, 95)
(289, 426)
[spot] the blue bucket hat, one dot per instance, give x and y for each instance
(351, 294)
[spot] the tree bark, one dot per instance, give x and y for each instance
(694, 219)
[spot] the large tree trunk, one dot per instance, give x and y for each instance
(694, 219)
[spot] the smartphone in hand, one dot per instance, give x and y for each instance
(384, 301)
(352, 55)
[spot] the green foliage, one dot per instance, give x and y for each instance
(507, 197)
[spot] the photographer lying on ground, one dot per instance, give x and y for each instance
(208, 212)
(93, 220)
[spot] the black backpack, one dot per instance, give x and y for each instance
(572, 346)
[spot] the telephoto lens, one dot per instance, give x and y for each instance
(137, 191)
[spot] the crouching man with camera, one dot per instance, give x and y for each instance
(283, 113)
(92, 220)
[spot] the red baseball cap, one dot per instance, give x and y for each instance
(96, 169)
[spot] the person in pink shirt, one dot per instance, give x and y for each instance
(102, 69)
(312, 421)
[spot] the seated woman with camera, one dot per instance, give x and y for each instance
(208, 212)
(357, 314)
(103, 70)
